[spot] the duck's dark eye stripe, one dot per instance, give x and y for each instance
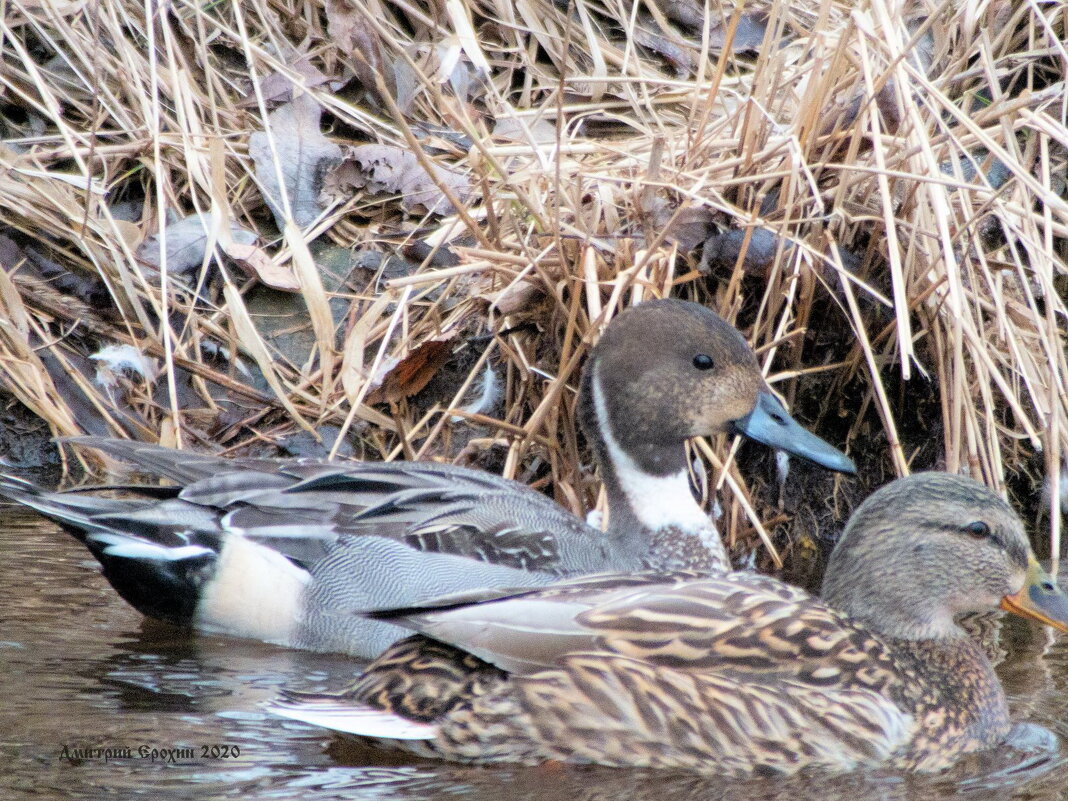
(702, 361)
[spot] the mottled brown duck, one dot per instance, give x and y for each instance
(283, 550)
(736, 673)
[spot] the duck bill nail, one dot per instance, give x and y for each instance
(1040, 599)
(769, 423)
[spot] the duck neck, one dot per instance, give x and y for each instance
(933, 629)
(872, 597)
(648, 489)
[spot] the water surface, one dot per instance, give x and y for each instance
(165, 714)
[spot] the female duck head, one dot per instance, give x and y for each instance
(926, 548)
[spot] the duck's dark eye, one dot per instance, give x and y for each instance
(702, 361)
(978, 529)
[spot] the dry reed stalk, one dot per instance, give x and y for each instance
(896, 175)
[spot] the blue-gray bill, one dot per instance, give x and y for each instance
(1039, 599)
(769, 423)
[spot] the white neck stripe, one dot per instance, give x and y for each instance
(656, 501)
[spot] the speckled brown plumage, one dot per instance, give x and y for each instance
(736, 673)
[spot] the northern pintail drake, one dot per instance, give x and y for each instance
(735, 673)
(284, 550)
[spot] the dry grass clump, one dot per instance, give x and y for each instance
(874, 192)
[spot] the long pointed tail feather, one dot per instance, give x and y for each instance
(68, 510)
(339, 714)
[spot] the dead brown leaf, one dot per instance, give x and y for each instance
(353, 36)
(689, 227)
(258, 264)
(516, 297)
(187, 240)
(393, 171)
(278, 87)
(304, 156)
(414, 371)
